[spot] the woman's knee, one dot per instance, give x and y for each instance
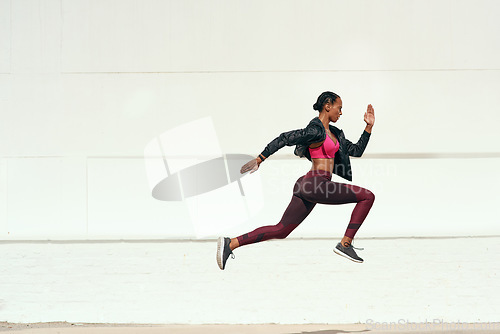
(369, 196)
(362, 194)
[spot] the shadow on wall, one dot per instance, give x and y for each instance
(332, 331)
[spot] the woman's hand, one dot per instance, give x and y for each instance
(252, 166)
(370, 116)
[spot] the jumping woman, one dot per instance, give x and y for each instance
(327, 148)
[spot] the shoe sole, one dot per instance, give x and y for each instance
(220, 252)
(346, 256)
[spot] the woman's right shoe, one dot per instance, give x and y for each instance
(348, 252)
(223, 251)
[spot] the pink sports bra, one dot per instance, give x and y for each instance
(327, 150)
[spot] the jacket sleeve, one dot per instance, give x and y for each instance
(356, 150)
(309, 134)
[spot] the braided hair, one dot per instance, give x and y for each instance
(324, 98)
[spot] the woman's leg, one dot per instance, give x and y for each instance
(307, 192)
(295, 213)
(364, 200)
(320, 190)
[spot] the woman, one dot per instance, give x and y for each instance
(329, 151)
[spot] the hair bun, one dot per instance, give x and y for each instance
(325, 97)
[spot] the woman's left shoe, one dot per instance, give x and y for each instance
(348, 252)
(223, 251)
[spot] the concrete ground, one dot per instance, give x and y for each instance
(415, 328)
(291, 281)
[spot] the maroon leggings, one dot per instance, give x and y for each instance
(315, 187)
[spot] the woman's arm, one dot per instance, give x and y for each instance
(310, 133)
(356, 150)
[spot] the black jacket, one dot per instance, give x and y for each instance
(313, 133)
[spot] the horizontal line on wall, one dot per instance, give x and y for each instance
(35, 157)
(171, 240)
(431, 155)
(259, 71)
(465, 155)
(286, 71)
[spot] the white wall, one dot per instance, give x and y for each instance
(85, 85)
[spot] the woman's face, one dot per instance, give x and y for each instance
(334, 110)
